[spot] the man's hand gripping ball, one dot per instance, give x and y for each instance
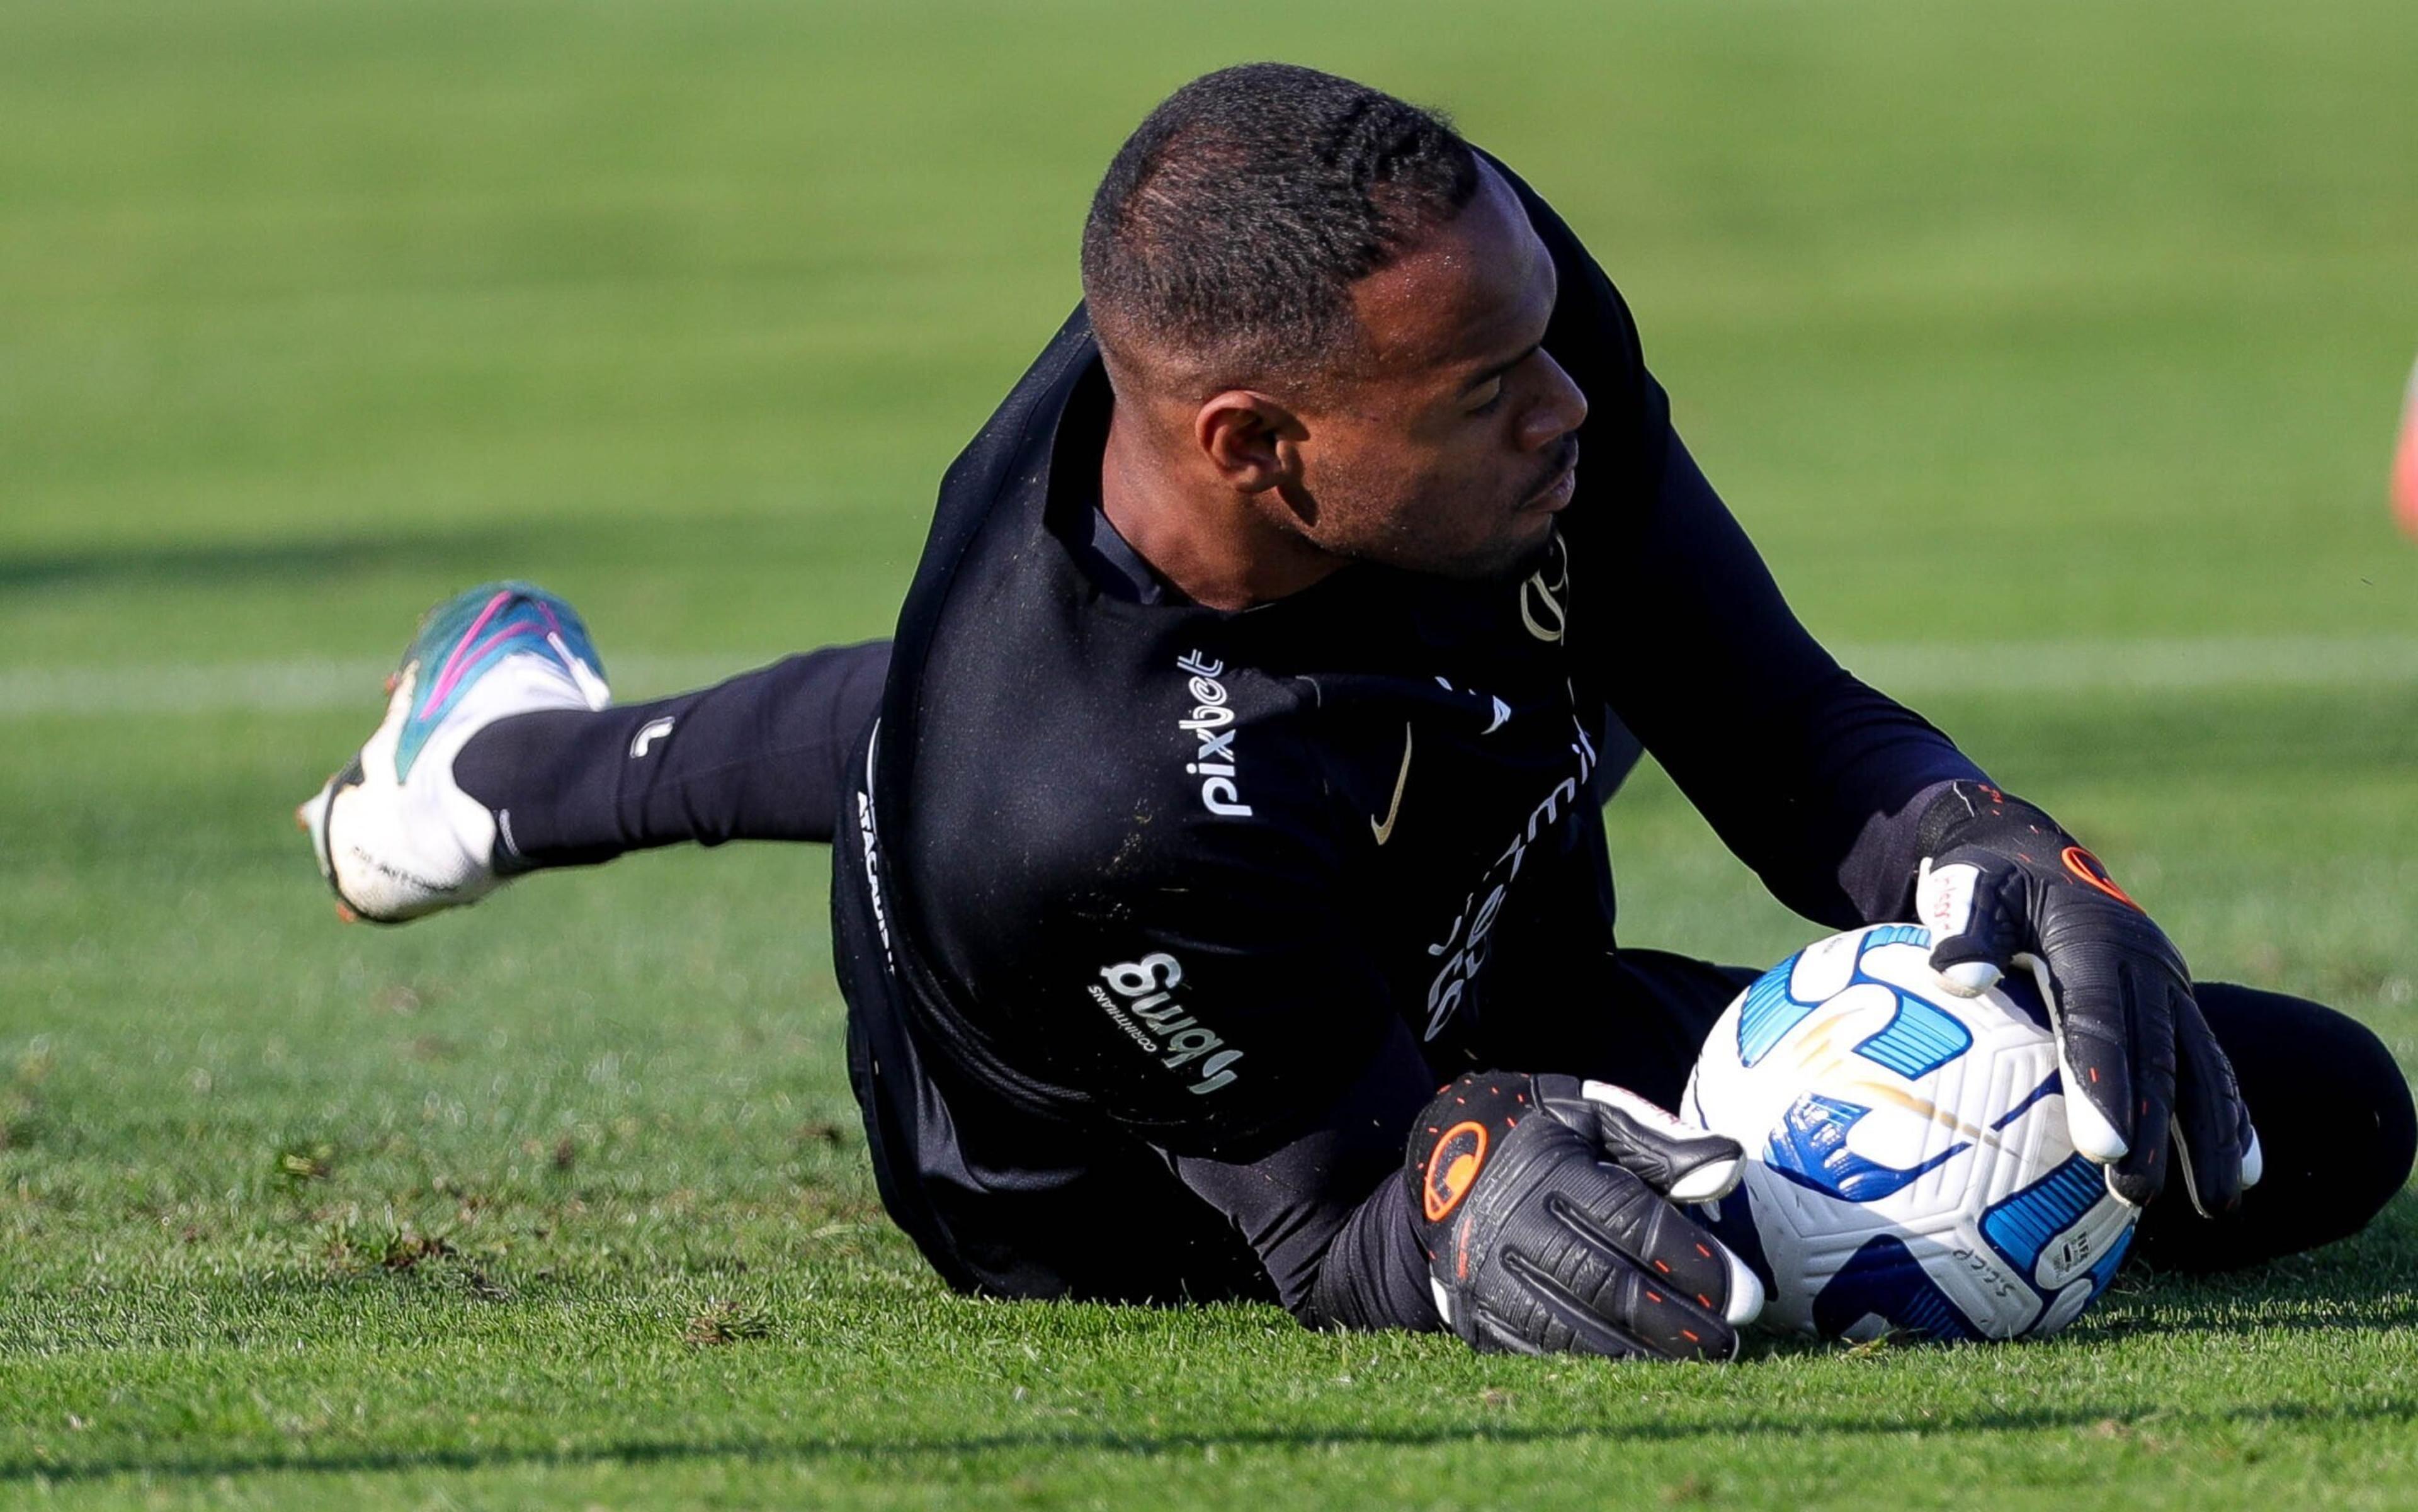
(1545, 1205)
(2001, 886)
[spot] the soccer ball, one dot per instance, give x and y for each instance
(1908, 1167)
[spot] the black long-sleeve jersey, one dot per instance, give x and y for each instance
(1238, 890)
(1188, 874)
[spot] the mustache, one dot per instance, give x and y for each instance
(1565, 456)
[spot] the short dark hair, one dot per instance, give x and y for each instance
(1233, 222)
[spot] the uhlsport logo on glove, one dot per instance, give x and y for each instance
(1452, 1165)
(1547, 1211)
(2094, 873)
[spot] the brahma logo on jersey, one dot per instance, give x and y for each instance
(1152, 1019)
(1211, 723)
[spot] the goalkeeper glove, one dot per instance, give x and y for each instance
(2003, 885)
(1544, 1206)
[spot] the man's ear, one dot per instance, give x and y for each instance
(1251, 439)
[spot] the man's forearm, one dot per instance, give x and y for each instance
(1375, 1273)
(1812, 777)
(1328, 1212)
(1878, 871)
(761, 756)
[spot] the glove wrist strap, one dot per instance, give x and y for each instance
(1970, 813)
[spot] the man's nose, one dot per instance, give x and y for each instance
(1560, 408)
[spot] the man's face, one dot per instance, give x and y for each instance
(1449, 444)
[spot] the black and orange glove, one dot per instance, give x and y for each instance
(1545, 1207)
(2001, 886)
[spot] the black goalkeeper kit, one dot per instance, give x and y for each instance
(1159, 925)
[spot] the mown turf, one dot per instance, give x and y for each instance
(2051, 334)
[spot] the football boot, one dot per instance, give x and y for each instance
(395, 836)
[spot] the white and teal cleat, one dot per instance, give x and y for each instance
(396, 836)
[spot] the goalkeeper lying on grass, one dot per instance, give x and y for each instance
(1232, 783)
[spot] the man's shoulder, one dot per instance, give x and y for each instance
(1129, 771)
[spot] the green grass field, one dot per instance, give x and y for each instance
(2050, 351)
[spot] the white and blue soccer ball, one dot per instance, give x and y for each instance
(1908, 1166)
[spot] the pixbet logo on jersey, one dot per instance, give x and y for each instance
(1148, 987)
(1211, 723)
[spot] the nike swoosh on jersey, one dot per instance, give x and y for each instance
(1385, 831)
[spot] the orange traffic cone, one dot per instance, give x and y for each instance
(2405, 463)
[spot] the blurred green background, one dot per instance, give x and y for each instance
(2050, 351)
(683, 307)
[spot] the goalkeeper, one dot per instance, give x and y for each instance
(1232, 783)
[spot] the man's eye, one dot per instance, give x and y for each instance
(1493, 401)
